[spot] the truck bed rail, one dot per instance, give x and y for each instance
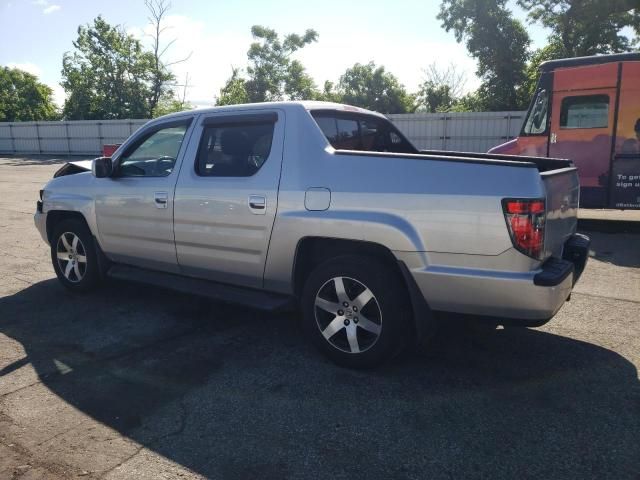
(544, 164)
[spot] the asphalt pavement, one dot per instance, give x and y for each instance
(135, 382)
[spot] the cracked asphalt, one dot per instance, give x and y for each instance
(134, 382)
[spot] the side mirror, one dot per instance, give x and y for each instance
(102, 167)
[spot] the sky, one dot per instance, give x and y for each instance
(405, 36)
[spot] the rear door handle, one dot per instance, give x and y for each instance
(257, 204)
(161, 199)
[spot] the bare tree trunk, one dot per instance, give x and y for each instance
(162, 77)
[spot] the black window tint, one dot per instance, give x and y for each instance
(373, 136)
(153, 155)
(346, 131)
(237, 150)
(329, 127)
(348, 135)
(589, 111)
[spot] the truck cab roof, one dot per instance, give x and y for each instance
(285, 105)
(591, 60)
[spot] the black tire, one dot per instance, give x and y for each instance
(390, 298)
(89, 276)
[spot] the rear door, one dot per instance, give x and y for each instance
(625, 181)
(582, 125)
(226, 196)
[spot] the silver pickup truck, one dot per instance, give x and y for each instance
(324, 206)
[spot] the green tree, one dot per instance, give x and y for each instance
(441, 89)
(372, 87)
(585, 27)
(24, 98)
(108, 76)
(273, 75)
(234, 91)
(550, 52)
(498, 42)
(471, 102)
(169, 104)
(329, 93)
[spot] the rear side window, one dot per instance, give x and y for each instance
(235, 149)
(346, 131)
(588, 111)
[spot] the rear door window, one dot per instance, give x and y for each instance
(235, 149)
(587, 111)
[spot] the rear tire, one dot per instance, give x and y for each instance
(356, 311)
(74, 256)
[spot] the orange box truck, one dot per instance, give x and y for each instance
(587, 109)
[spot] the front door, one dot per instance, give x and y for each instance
(226, 196)
(582, 130)
(134, 207)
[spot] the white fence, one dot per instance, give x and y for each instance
(472, 132)
(462, 132)
(84, 137)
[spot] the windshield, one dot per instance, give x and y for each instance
(536, 122)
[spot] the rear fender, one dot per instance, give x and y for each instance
(384, 229)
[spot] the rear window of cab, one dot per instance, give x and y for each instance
(356, 131)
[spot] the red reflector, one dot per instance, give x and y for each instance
(524, 206)
(516, 207)
(536, 207)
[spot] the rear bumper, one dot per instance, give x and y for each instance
(574, 259)
(523, 298)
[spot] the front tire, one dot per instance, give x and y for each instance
(74, 256)
(356, 311)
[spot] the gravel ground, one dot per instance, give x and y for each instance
(133, 382)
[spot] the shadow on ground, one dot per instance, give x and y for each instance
(233, 393)
(615, 247)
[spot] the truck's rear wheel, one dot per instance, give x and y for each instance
(355, 311)
(74, 256)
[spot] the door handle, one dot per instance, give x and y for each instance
(257, 204)
(161, 199)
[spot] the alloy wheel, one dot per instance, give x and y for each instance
(71, 256)
(348, 314)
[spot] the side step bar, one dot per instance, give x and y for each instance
(216, 291)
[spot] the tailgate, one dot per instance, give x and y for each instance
(562, 195)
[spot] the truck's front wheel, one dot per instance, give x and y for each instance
(74, 256)
(355, 310)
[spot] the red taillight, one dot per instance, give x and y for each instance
(525, 221)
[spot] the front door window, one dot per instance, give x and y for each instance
(153, 155)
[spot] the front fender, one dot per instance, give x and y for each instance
(71, 194)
